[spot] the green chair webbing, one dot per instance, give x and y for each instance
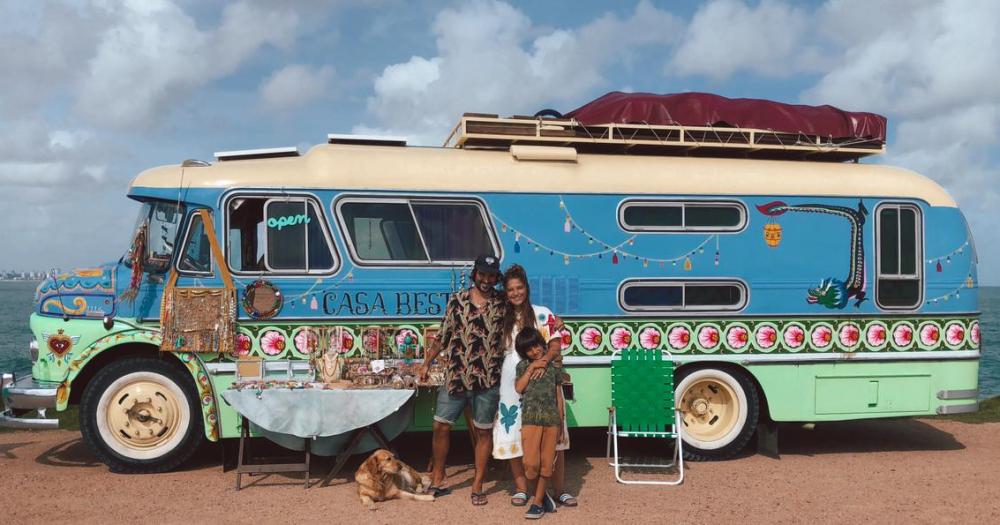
(642, 392)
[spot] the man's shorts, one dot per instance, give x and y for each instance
(484, 406)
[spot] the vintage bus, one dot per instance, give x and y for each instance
(790, 282)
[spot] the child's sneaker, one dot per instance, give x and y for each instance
(534, 512)
(548, 503)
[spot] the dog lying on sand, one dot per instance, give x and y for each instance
(379, 476)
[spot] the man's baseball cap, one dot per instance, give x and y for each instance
(487, 264)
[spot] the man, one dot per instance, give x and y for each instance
(470, 335)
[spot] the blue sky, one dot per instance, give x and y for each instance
(94, 92)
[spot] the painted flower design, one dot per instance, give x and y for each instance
(406, 337)
(850, 334)
(876, 335)
(902, 335)
(272, 343)
(591, 338)
(621, 337)
(306, 341)
(565, 338)
(822, 336)
(737, 337)
(346, 341)
(243, 345)
(795, 336)
(929, 335)
(708, 337)
(370, 340)
(974, 334)
(767, 336)
(650, 337)
(955, 334)
(679, 337)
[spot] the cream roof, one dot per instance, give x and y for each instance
(351, 167)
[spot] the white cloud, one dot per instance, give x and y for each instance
(295, 86)
(491, 58)
(728, 36)
(156, 54)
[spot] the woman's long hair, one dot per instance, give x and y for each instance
(527, 313)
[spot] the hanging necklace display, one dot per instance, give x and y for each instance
(262, 300)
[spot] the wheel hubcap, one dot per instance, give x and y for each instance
(710, 409)
(143, 415)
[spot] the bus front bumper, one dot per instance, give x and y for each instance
(21, 396)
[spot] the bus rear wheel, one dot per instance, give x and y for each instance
(141, 415)
(719, 410)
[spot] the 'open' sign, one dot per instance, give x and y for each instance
(288, 220)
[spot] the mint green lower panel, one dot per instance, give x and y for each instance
(862, 390)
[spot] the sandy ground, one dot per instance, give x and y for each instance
(898, 471)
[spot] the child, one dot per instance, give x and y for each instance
(541, 415)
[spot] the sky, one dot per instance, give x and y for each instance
(94, 92)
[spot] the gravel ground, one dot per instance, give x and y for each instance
(897, 471)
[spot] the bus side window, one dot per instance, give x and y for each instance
(900, 281)
(197, 254)
(246, 234)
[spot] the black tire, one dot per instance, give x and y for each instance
(704, 442)
(550, 113)
(183, 434)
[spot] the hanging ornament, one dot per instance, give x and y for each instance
(948, 260)
(645, 263)
(687, 264)
(350, 276)
(939, 266)
(614, 258)
(562, 205)
(566, 259)
(701, 249)
(716, 257)
(503, 228)
(673, 262)
(537, 248)
(968, 282)
(566, 225)
(314, 304)
(517, 236)
(631, 242)
(517, 247)
(661, 264)
(772, 234)
(590, 241)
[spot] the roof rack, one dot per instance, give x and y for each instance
(263, 153)
(487, 131)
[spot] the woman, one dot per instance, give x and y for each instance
(507, 431)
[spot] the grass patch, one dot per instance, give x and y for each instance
(989, 412)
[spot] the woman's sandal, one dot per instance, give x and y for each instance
(567, 500)
(519, 499)
(478, 499)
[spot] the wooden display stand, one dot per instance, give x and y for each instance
(244, 466)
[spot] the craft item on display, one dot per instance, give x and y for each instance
(135, 259)
(772, 233)
(377, 365)
(200, 319)
(262, 300)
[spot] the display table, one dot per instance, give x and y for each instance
(323, 419)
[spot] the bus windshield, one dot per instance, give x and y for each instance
(156, 229)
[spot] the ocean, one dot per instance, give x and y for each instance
(16, 301)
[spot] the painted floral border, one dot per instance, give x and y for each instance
(708, 336)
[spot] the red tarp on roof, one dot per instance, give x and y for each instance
(705, 109)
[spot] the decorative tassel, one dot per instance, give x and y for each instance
(566, 260)
(687, 264)
(517, 247)
(645, 263)
(614, 258)
(517, 236)
(939, 266)
(566, 225)
(314, 304)
(503, 228)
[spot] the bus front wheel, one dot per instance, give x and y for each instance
(141, 415)
(719, 411)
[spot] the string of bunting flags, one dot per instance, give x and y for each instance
(947, 257)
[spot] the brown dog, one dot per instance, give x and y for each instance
(376, 479)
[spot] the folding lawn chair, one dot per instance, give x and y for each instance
(642, 399)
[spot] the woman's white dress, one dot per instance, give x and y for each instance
(507, 429)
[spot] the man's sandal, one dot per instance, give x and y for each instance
(519, 499)
(567, 500)
(439, 491)
(479, 499)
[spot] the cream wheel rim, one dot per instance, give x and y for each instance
(713, 411)
(143, 415)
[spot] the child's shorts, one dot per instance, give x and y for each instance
(539, 446)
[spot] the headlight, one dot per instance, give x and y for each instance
(33, 349)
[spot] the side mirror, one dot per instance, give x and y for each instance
(108, 322)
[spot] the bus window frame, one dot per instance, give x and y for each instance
(408, 199)
(281, 196)
(919, 276)
(192, 216)
(683, 309)
(682, 203)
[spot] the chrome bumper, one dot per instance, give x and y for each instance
(26, 394)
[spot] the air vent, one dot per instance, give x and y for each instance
(367, 140)
(264, 153)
